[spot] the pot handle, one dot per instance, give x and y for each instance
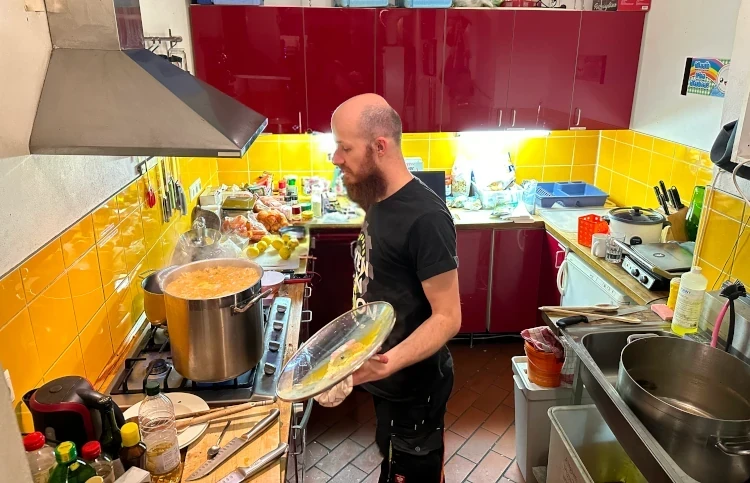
(240, 309)
(635, 337)
(738, 448)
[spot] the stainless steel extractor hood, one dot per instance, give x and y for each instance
(104, 94)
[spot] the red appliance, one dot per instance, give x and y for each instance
(69, 409)
(633, 5)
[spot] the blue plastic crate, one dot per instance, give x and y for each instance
(572, 194)
(424, 3)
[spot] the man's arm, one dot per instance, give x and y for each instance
(444, 323)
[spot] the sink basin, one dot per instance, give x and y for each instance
(605, 348)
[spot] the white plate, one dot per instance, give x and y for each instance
(183, 403)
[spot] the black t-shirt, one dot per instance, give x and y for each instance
(406, 239)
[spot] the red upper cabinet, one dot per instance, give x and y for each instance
(474, 249)
(340, 59)
(478, 46)
(256, 55)
(545, 47)
(408, 64)
(608, 55)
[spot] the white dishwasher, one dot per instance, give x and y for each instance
(579, 284)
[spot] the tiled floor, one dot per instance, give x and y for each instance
(479, 439)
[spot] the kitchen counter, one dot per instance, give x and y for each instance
(612, 272)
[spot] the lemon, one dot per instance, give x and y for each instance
(252, 251)
(293, 244)
(261, 245)
(267, 239)
(277, 244)
(285, 253)
(286, 237)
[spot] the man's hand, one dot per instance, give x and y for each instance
(374, 369)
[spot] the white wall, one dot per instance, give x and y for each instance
(14, 466)
(675, 30)
(158, 16)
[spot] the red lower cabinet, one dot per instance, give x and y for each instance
(515, 279)
(553, 254)
(474, 253)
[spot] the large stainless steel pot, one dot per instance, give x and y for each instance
(695, 400)
(216, 339)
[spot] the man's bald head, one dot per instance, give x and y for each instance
(372, 115)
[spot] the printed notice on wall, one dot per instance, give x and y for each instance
(705, 76)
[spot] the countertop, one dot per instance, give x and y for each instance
(612, 272)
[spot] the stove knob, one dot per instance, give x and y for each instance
(635, 272)
(269, 369)
(644, 279)
(274, 346)
(278, 326)
(281, 309)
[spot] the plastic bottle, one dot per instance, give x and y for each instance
(674, 289)
(133, 451)
(316, 200)
(40, 455)
(157, 422)
(69, 468)
(92, 454)
(687, 311)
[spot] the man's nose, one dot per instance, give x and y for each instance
(337, 160)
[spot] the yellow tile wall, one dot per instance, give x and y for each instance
(561, 156)
(68, 308)
(630, 164)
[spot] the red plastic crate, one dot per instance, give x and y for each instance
(588, 225)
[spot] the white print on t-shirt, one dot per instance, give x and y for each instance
(363, 272)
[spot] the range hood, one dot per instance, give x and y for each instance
(105, 94)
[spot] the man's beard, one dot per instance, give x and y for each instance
(371, 187)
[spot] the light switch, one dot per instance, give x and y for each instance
(10, 385)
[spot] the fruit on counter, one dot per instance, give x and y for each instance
(261, 245)
(285, 252)
(286, 237)
(293, 243)
(268, 239)
(252, 251)
(277, 244)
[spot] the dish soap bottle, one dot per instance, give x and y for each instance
(41, 457)
(69, 468)
(157, 421)
(687, 312)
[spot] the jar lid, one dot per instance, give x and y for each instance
(152, 388)
(91, 450)
(130, 434)
(33, 441)
(95, 479)
(637, 216)
(66, 452)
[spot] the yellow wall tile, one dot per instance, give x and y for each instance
(666, 148)
(583, 173)
(96, 345)
(684, 176)
(529, 172)
(442, 135)
(236, 164)
(19, 355)
(42, 268)
(263, 157)
(77, 240)
(105, 218)
(640, 164)
(680, 152)
(609, 134)
(295, 156)
(661, 169)
(70, 363)
(152, 225)
(618, 190)
(12, 298)
(586, 151)
(136, 287)
(132, 239)
(559, 151)
(587, 133)
(719, 241)
(128, 200)
(606, 153)
(155, 258)
(643, 141)
(556, 173)
(230, 178)
(416, 148)
(119, 313)
(727, 205)
(625, 136)
(637, 194)
(713, 274)
(704, 177)
(320, 161)
(86, 287)
(53, 320)
(111, 261)
(603, 179)
(442, 153)
(623, 155)
(531, 152)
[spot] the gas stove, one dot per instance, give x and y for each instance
(152, 360)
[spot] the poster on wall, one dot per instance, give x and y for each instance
(705, 76)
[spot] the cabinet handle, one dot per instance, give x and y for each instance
(306, 316)
(500, 119)
(300, 121)
(558, 260)
(561, 277)
(513, 118)
(538, 113)
(578, 116)
(308, 291)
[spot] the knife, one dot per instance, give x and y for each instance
(627, 310)
(676, 195)
(231, 448)
(664, 193)
(244, 472)
(662, 200)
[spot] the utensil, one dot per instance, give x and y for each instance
(150, 194)
(217, 339)
(572, 320)
(231, 448)
(676, 197)
(695, 400)
(184, 403)
(661, 200)
(618, 318)
(214, 450)
(369, 324)
(244, 472)
(663, 187)
(272, 280)
(228, 411)
(182, 199)
(584, 308)
(195, 414)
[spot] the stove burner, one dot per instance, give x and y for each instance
(159, 366)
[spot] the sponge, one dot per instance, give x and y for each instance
(663, 311)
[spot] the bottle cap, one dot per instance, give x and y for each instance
(697, 269)
(152, 388)
(33, 441)
(130, 434)
(66, 452)
(95, 479)
(91, 450)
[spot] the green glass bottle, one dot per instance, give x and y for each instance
(69, 468)
(694, 213)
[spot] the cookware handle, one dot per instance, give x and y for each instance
(262, 462)
(635, 337)
(739, 448)
(240, 309)
(146, 273)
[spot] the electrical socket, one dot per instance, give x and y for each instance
(10, 385)
(195, 189)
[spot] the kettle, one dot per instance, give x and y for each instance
(69, 409)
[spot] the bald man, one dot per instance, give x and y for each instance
(405, 255)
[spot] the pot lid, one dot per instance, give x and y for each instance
(354, 336)
(637, 216)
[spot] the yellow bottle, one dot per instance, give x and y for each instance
(674, 289)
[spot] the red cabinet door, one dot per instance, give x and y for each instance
(608, 55)
(256, 55)
(408, 64)
(340, 59)
(478, 45)
(545, 47)
(474, 252)
(553, 254)
(515, 279)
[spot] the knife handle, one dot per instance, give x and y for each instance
(264, 461)
(261, 426)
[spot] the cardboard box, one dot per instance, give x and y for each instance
(633, 5)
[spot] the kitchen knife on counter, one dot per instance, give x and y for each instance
(676, 197)
(234, 446)
(662, 200)
(664, 193)
(243, 473)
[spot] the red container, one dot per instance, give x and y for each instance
(633, 5)
(588, 225)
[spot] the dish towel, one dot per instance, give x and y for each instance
(544, 340)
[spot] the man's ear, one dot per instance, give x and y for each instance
(380, 145)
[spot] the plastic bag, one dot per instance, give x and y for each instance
(273, 220)
(247, 228)
(460, 178)
(203, 243)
